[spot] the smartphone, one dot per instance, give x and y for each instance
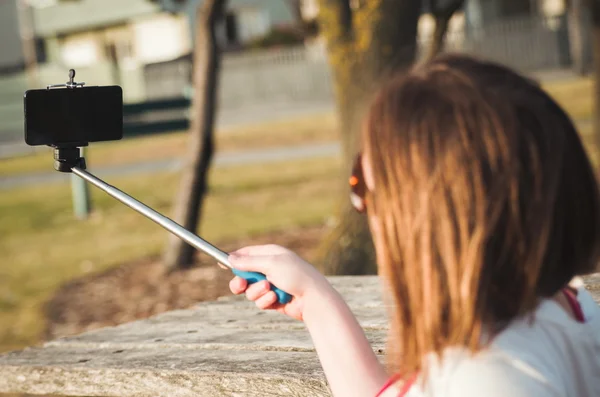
(63, 117)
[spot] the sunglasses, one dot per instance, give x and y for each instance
(358, 188)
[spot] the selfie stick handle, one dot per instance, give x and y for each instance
(181, 232)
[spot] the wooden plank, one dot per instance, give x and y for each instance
(161, 372)
(221, 348)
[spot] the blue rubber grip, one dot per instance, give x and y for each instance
(253, 277)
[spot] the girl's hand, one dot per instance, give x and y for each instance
(343, 349)
(283, 269)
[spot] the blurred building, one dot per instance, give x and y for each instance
(106, 41)
(146, 47)
(15, 23)
(480, 12)
(11, 56)
(84, 33)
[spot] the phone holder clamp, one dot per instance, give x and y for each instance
(66, 158)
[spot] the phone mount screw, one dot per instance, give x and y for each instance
(69, 84)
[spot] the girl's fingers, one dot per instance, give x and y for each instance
(257, 263)
(238, 285)
(257, 290)
(266, 301)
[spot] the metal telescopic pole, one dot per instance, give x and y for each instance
(160, 219)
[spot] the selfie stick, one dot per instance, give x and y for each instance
(68, 159)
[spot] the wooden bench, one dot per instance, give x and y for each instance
(222, 348)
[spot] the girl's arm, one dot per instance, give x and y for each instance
(350, 365)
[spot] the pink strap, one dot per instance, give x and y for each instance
(387, 384)
(574, 303)
(405, 386)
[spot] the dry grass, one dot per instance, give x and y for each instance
(576, 96)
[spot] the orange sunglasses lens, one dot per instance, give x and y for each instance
(357, 186)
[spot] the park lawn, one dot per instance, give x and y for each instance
(43, 246)
(574, 95)
(305, 130)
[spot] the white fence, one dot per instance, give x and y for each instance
(247, 79)
(302, 74)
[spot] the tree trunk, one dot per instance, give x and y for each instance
(295, 7)
(442, 13)
(437, 41)
(595, 7)
(188, 203)
(578, 25)
(366, 45)
(27, 32)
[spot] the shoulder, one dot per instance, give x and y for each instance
(490, 374)
(527, 359)
(494, 375)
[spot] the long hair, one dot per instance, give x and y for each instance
(486, 202)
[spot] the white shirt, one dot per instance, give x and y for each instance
(555, 355)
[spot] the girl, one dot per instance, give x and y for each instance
(484, 208)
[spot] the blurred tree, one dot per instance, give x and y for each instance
(579, 32)
(296, 9)
(27, 31)
(442, 11)
(595, 7)
(368, 41)
(307, 27)
(516, 8)
(194, 178)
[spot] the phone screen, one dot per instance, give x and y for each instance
(73, 116)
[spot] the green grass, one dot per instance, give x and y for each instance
(43, 246)
(290, 132)
(576, 96)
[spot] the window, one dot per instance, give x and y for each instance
(231, 28)
(80, 52)
(40, 50)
